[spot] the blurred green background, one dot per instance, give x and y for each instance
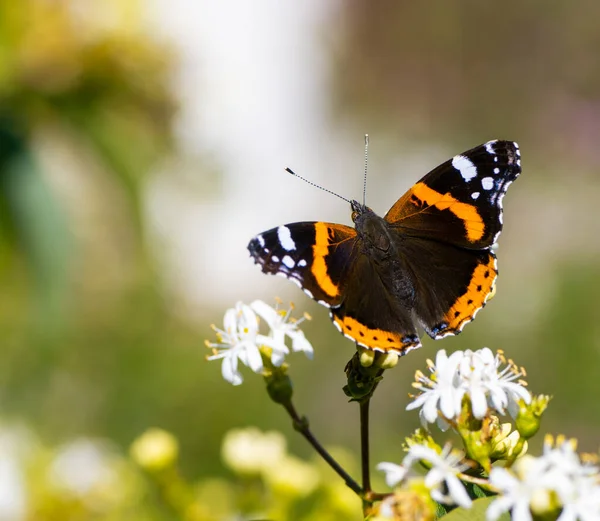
(143, 143)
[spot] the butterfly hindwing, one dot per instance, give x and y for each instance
(314, 255)
(452, 284)
(371, 314)
(460, 201)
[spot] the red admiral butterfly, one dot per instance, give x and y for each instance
(428, 262)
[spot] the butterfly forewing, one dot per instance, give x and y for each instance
(460, 201)
(314, 255)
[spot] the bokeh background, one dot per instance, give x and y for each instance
(142, 144)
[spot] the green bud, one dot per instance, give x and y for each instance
(279, 387)
(478, 447)
(366, 356)
(530, 416)
(421, 437)
(386, 360)
(361, 380)
(506, 444)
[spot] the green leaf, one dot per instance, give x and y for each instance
(475, 513)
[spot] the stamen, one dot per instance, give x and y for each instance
(589, 458)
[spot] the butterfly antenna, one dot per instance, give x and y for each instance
(366, 163)
(290, 171)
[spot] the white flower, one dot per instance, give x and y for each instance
(516, 493)
(476, 374)
(442, 479)
(13, 494)
(281, 326)
(577, 485)
(443, 389)
(583, 503)
(394, 473)
(555, 480)
(81, 466)
(237, 341)
(487, 385)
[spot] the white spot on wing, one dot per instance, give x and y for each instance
(496, 170)
(285, 238)
(308, 293)
(261, 240)
(475, 195)
(288, 261)
(275, 258)
(487, 183)
(302, 263)
(490, 148)
(465, 167)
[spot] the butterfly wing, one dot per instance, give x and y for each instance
(452, 284)
(371, 313)
(327, 261)
(314, 255)
(460, 201)
(448, 222)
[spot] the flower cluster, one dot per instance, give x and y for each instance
(477, 376)
(240, 339)
(466, 390)
(556, 482)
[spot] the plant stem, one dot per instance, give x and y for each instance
(364, 455)
(364, 445)
(301, 425)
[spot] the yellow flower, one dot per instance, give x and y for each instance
(250, 451)
(156, 449)
(292, 477)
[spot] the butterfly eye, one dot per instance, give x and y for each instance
(354, 216)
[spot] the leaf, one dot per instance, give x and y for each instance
(475, 513)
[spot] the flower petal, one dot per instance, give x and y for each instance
(300, 343)
(230, 372)
(457, 492)
(394, 473)
(266, 312)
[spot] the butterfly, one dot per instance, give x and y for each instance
(429, 263)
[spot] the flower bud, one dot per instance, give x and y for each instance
(155, 450)
(279, 386)
(529, 417)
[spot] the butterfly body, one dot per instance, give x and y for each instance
(427, 264)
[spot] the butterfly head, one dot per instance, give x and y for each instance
(358, 210)
(370, 228)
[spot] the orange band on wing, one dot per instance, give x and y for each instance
(373, 338)
(481, 288)
(465, 212)
(319, 266)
